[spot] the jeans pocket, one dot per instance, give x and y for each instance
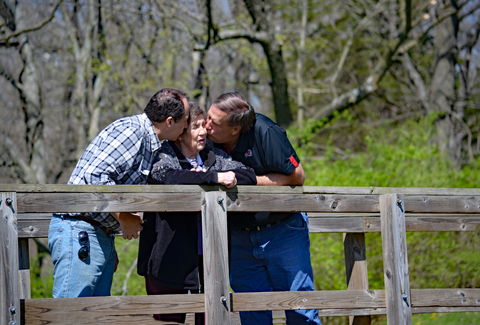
(295, 222)
(55, 238)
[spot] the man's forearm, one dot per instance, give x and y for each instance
(295, 178)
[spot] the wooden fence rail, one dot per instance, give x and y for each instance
(25, 213)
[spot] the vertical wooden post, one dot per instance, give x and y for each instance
(395, 260)
(24, 269)
(215, 256)
(356, 268)
(9, 292)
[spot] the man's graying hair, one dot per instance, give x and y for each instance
(240, 112)
(166, 102)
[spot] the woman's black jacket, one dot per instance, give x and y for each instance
(169, 245)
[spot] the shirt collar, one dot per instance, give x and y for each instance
(148, 125)
(242, 144)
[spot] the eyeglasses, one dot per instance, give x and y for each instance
(84, 250)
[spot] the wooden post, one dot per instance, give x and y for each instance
(356, 268)
(215, 256)
(24, 269)
(395, 260)
(9, 291)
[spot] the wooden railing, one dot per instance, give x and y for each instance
(352, 211)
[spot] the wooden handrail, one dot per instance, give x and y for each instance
(350, 210)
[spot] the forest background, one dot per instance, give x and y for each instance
(372, 93)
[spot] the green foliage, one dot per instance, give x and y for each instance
(126, 281)
(446, 319)
(41, 283)
(394, 157)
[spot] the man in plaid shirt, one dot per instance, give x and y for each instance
(82, 245)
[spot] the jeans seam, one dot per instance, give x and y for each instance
(70, 257)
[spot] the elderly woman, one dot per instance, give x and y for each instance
(170, 243)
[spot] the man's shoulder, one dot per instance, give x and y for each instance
(264, 124)
(135, 124)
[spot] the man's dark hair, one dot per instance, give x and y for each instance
(166, 102)
(240, 112)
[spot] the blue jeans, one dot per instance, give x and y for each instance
(72, 276)
(273, 259)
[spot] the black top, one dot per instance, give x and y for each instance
(266, 149)
(168, 247)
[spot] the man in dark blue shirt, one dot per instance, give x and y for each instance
(269, 251)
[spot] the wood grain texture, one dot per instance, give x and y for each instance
(395, 259)
(9, 276)
(465, 297)
(108, 202)
(287, 300)
(37, 227)
(102, 310)
(370, 190)
(302, 203)
(24, 269)
(442, 204)
(356, 269)
(215, 256)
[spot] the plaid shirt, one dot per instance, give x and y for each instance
(122, 153)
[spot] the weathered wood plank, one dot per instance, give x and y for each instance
(431, 191)
(330, 303)
(38, 227)
(356, 269)
(442, 204)
(215, 256)
(286, 300)
(24, 269)
(35, 228)
(464, 297)
(334, 225)
(395, 259)
(108, 202)
(302, 203)
(101, 310)
(389, 190)
(59, 188)
(9, 280)
(429, 223)
(64, 188)
(355, 300)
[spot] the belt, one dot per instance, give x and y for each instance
(92, 222)
(257, 228)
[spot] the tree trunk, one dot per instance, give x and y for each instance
(276, 64)
(443, 95)
(34, 170)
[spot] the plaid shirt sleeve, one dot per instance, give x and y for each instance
(109, 158)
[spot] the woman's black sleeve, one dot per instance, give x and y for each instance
(245, 177)
(185, 177)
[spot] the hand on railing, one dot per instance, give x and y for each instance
(130, 223)
(227, 179)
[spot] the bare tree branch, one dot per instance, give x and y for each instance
(16, 85)
(30, 29)
(127, 277)
(7, 14)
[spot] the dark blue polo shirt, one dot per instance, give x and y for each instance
(266, 149)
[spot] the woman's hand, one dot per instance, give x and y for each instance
(227, 179)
